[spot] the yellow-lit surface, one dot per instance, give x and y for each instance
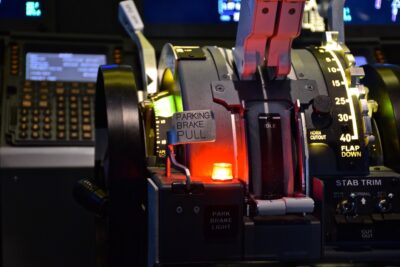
(222, 172)
(349, 97)
(168, 82)
(318, 147)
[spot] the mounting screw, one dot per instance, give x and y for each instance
(196, 209)
(309, 87)
(219, 88)
(226, 77)
(179, 209)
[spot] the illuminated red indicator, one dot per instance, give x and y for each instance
(222, 172)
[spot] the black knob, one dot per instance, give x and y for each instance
(322, 104)
(321, 116)
(384, 205)
(91, 197)
(346, 207)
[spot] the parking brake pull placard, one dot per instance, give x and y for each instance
(193, 126)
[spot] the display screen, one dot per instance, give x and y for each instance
(20, 9)
(63, 66)
(361, 60)
(374, 12)
(229, 10)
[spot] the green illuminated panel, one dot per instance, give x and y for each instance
(165, 106)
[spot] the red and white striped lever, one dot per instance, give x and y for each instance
(265, 34)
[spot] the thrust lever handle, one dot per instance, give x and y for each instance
(265, 33)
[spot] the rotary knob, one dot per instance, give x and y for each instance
(384, 205)
(322, 105)
(346, 206)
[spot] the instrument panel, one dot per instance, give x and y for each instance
(49, 87)
(289, 141)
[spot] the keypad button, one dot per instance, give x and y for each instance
(91, 85)
(86, 120)
(85, 106)
(61, 113)
(23, 126)
(24, 112)
(43, 97)
(27, 90)
(61, 105)
(35, 135)
(47, 135)
(59, 84)
(60, 90)
(75, 91)
(47, 112)
(73, 106)
(74, 135)
(74, 127)
(43, 104)
(61, 135)
(23, 135)
(73, 120)
(27, 97)
(73, 113)
(91, 91)
(46, 119)
(73, 99)
(87, 135)
(44, 90)
(47, 127)
(75, 84)
(35, 112)
(60, 98)
(35, 119)
(60, 127)
(35, 127)
(60, 120)
(86, 113)
(85, 99)
(23, 119)
(87, 128)
(27, 104)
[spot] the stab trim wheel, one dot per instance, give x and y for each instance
(119, 128)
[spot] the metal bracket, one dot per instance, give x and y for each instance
(335, 18)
